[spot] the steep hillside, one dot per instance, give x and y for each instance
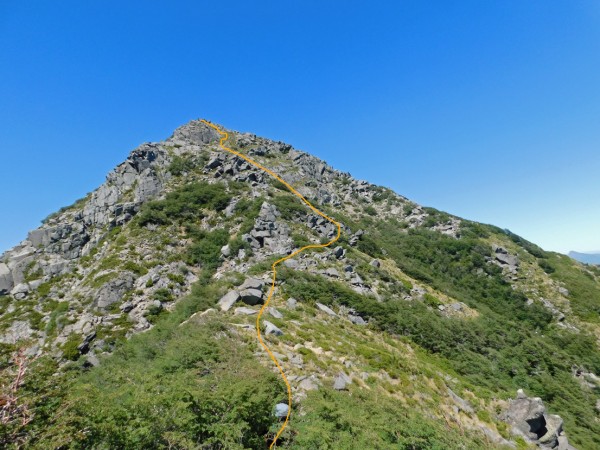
(127, 318)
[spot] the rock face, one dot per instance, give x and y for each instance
(505, 260)
(6, 281)
(114, 290)
(268, 232)
(529, 418)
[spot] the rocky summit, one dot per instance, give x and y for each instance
(127, 319)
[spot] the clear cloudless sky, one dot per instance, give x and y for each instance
(489, 110)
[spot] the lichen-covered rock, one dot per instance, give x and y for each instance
(113, 290)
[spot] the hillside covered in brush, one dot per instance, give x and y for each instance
(127, 318)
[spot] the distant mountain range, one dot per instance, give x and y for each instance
(588, 258)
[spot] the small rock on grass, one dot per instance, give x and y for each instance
(272, 329)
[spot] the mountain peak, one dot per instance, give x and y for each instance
(412, 310)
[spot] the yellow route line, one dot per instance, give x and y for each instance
(224, 137)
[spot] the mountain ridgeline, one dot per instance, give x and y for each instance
(127, 318)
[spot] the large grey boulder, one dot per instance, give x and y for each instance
(505, 260)
(332, 272)
(527, 415)
(40, 237)
(309, 384)
(251, 296)
(356, 320)
(252, 283)
(6, 280)
(528, 418)
(339, 252)
(226, 251)
(228, 300)
(554, 427)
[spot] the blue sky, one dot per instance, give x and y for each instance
(488, 110)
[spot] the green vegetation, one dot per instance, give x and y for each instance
(206, 249)
(510, 345)
(289, 206)
(583, 287)
(163, 295)
(180, 165)
(175, 386)
(135, 268)
(249, 210)
(69, 348)
(364, 420)
(184, 204)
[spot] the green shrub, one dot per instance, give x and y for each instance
(431, 300)
(236, 244)
(135, 268)
(185, 203)
(174, 386)
(300, 240)
(69, 348)
(176, 278)
(370, 210)
(180, 165)
(44, 289)
(163, 295)
(290, 206)
(546, 266)
(206, 251)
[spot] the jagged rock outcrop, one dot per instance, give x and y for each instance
(269, 233)
(528, 418)
(6, 279)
